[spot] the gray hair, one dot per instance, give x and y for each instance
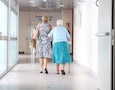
(59, 22)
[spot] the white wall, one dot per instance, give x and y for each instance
(85, 42)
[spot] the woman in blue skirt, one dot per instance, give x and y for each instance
(60, 52)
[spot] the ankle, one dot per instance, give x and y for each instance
(63, 72)
(46, 71)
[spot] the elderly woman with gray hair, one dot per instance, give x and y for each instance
(60, 52)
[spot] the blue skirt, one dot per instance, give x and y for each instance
(60, 54)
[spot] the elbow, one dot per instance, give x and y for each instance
(48, 36)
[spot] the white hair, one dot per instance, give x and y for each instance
(59, 22)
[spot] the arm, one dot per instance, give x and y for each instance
(68, 36)
(50, 26)
(35, 32)
(50, 35)
(69, 40)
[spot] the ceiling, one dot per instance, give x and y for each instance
(45, 5)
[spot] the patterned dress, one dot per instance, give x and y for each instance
(43, 48)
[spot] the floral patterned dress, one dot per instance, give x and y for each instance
(43, 48)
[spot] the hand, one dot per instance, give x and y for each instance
(33, 36)
(69, 42)
(50, 27)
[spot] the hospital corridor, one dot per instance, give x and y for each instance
(36, 55)
(26, 76)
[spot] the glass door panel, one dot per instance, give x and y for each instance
(13, 32)
(8, 35)
(3, 19)
(13, 39)
(13, 52)
(3, 56)
(3, 37)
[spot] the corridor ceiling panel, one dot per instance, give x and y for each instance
(45, 5)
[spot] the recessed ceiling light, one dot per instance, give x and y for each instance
(61, 5)
(44, 0)
(31, 1)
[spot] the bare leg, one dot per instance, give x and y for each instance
(63, 66)
(45, 62)
(57, 68)
(41, 64)
(45, 65)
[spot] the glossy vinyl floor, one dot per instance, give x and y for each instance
(25, 76)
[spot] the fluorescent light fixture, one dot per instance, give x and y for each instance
(44, 8)
(44, 0)
(31, 1)
(61, 5)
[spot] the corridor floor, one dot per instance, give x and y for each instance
(26, 76)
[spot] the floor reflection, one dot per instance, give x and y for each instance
(26, 76)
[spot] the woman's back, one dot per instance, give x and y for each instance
(59, 33)
(43, 31)
(43, 42)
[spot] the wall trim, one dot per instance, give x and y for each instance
(92, 73)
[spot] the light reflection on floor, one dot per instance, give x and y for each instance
(26, 76)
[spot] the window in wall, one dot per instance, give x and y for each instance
(3, 56)
(13, 32)
(13, 39)
(3, 19)
(13, 52)
(3, 37)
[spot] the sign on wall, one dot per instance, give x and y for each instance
(40, 18)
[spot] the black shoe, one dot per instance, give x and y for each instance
(46, 71)
(41, 72)
(57, 73)
(63, 72)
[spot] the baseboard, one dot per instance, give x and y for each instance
(92, 73)
(21, 52)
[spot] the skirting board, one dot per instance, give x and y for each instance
(86, 69)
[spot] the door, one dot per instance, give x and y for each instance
(104, 45)
(8, 35)
(113, 47)
(3, 38)
(13, 39)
